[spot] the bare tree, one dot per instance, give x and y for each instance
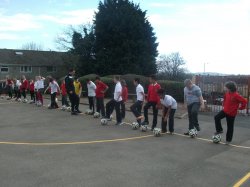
(172, 66)
(32, 46)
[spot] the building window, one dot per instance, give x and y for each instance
(4, 69)
(25, 69)
(51, 69)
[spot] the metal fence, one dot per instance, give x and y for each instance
(213, 90)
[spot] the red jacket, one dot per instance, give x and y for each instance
(152, 93)
(63, 89)
(32, 87)
(100, 87)
(124, 93)
(232, 102)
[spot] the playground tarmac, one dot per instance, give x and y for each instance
(42, 147)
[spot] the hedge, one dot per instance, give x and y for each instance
(172, 88)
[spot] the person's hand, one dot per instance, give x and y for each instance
(71, 92)
(202, 107)
(102, 92)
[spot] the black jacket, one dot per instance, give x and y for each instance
(69, 83)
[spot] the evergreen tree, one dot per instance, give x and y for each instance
(124, 39)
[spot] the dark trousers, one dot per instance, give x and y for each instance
(155, 113)
(73, 99)
(110, 107)
(24, 94)
(77, 103)
(9, 90)
(170, 121)
(193, 110)
(136, 109)
(100, 106)
(230, 124)
(64, 100)
(19, 94)
(53, 103)
(92, 103)
(123, 109)
(32, 95)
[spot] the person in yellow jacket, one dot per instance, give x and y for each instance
(78, 91)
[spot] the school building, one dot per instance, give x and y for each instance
(31, 63)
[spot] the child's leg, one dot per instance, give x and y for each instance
(171, 120)
(63, 100)
(101, 100)
(230, 128)
(164, 123)
(118, 111)
(123, 112)
(217, 120)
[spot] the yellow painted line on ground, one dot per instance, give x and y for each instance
(75, 143)
(242, 180)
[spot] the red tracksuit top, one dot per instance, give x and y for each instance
(63, 89)
(25, 84)
(152, 93)
(232, 102)
(124, 93)
(32, 87)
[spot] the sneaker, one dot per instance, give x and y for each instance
(74, 113)
(171, 133)
(227, 142)
(186, 133)
(79, 111)
(118, 123)
(163, 131)
(198, 128)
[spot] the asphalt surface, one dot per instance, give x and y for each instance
(169, 160)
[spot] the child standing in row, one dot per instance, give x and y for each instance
(124, 98)
(78, 91)
(231, 103)
(32, 91)
(137, 106)
(169, 106)
(54, 89)
(91, 95)
(101, 89)
(64, 95)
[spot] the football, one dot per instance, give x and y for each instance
(135, 125)
(157, 132)
(192, 133)
(216, 138)
(144, 128)
(104, 121)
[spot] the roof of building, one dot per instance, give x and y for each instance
(30, 57)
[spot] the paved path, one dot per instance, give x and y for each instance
(95, 155)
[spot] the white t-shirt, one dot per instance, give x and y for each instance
(139, 91)
(39, 84)
(91, 89)
(169, 101)
(118, 92)
(18, 83)
(53, 86)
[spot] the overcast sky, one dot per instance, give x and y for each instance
(211, 32)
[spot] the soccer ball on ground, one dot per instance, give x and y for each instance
(68, 109)
(88, 111)
(25, 101)
(135, 125)
(96, 115)
(104, 121)
(216, 138)
(144, 128)
(64, 108)
(192, 133)
(157, 132)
